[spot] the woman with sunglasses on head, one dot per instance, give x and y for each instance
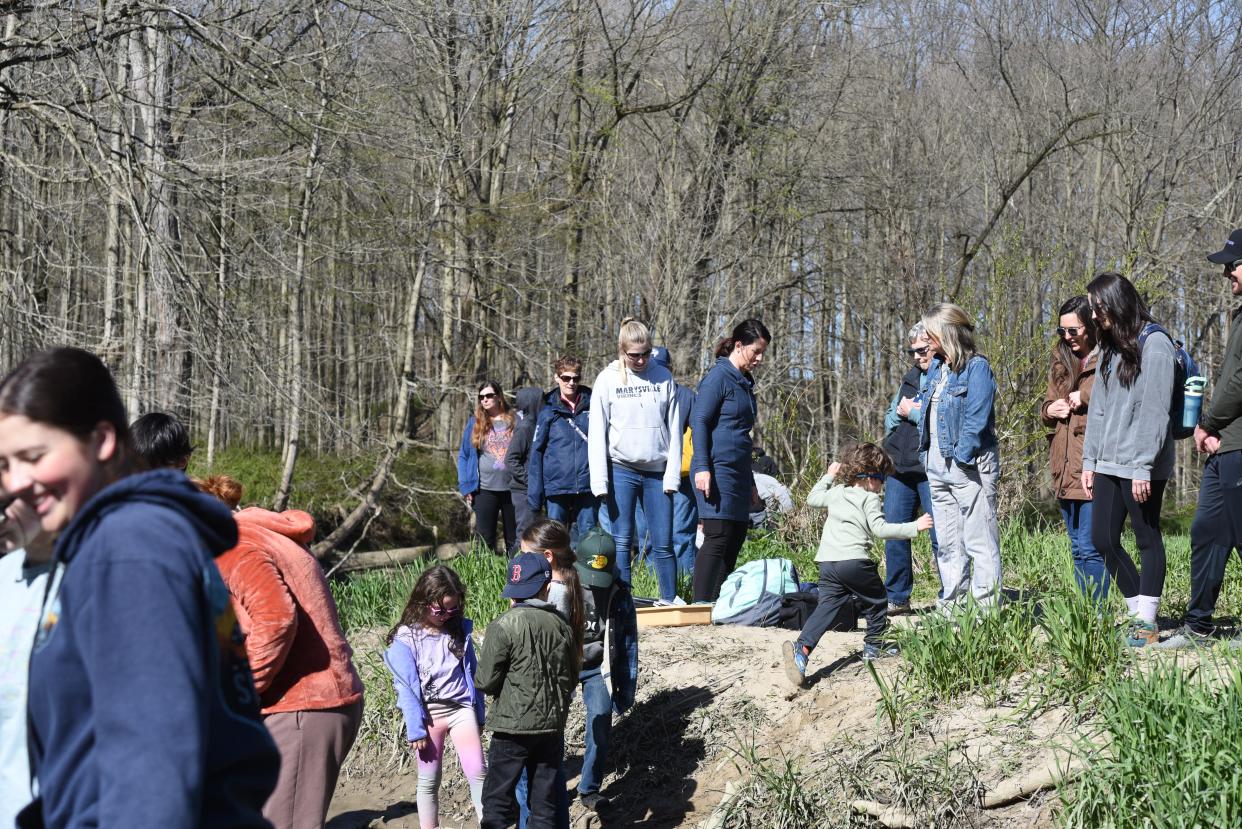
(634, 448)
(1070, 379)
(482, 476)
(141, 707)
(957, 440)
(907, 488)
(1127, 456)
(559, 472)
(724, 413)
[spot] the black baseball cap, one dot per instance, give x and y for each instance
(528, 573)
(1231, 252)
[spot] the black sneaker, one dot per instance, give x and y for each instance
(593, 801)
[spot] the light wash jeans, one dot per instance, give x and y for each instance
(967, 532)
(625, 487)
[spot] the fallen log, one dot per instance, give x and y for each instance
(1048, 776)
(894, 817)
(377, 559)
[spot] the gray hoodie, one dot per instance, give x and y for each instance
(632, 416)
(1128, 429)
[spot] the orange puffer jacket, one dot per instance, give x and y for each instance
(298, 653)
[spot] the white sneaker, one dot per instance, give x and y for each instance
(677, 601)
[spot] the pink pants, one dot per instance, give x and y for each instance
(461, 724)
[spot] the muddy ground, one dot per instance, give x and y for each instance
(716, 719)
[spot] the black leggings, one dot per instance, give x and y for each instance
(488, 506)
(722, 541)
(1112, 500)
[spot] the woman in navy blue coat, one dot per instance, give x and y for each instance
(720, 423)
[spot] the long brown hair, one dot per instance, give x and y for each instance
(546, 535)
(1115, 297)
(433, 586)
(1064, 362)
(482, 420)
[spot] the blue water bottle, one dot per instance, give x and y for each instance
(1192, 401)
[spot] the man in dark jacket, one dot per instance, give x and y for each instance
(1217, 528)
(529, 663)
(905, 491)
(528, 402)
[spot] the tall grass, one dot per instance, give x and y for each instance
(1172, 753)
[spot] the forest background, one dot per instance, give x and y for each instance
(310, 228)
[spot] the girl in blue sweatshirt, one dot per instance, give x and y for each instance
(433, 663)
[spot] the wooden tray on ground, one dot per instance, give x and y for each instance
(674, 615)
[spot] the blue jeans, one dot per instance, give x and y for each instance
(576, 512)
(626, 487)
(1089, 569)
(903, 494)
(598, 705)
(685, 526)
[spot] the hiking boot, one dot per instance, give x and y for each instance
(1142, 634)
(593, 801)
(898, 609)
(795, 663)
(1186, 637)
(871, 652)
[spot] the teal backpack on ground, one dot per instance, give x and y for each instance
(752, 593)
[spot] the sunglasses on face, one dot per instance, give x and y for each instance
(875, 476)
(1230, 267)
(569, 378)
(638, 356)
(919, 351)
(487, 395)
(1071, 330)
(444, 613)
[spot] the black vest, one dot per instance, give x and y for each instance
(902, 444)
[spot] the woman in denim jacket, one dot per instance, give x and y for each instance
(957, 441)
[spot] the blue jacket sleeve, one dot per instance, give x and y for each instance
(976, 411)
(467, 462)
(404, 668)
(703, 416)
(472, 667)
(149, 663)
(534, 466)
(891, 418)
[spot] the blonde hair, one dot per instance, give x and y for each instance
(632, 332)
(950, 325)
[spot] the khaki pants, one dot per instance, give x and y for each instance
(312, 746)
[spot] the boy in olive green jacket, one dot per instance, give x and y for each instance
(529, 662)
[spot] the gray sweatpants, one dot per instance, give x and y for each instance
(967, 532)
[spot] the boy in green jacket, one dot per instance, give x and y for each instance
(855, 517)
(529, 663)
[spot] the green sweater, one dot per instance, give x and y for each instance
(1223, 416)
(855, 516)
(528, 662)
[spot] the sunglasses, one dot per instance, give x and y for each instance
(876, 476)
(1072, 330)
(569, 378)
(442, 613)
(1230, 267)
(639, 356)
(919, 351)
(487, 395)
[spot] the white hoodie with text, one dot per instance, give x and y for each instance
(632, 415)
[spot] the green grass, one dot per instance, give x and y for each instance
(1173, 750)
